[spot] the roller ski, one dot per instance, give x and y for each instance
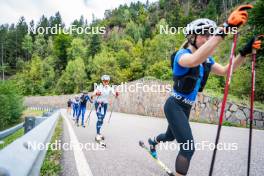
(153, 153)
(100, 140)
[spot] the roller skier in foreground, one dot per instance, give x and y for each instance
(191, 67)
(102, 92)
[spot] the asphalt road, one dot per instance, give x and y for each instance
(123, 156)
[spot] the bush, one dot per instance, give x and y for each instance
(11, 103)
(160, 70)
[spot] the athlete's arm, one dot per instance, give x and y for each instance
(240, 59)
(88, 98)
(237, 18)
(200, 55)
(221, 70)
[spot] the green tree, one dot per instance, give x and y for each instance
(43, 23)
(21, 31)
(27, 46)
(40, 46)
(135, 31)
(73, 79)
(77, 49)
(36, 78)
(160, 70)
(61, 43)
(123, 59)
(11, 103)
(95, 45)
(50, 47)
(105, 63)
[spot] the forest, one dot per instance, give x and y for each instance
(131, 48)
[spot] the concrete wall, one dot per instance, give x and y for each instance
(151, 104)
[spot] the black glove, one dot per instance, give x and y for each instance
(248, 47)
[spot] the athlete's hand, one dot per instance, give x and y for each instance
(98, 93)
(257, 44)
(239, 16)
(253, 43)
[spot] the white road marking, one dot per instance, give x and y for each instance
(80, 160)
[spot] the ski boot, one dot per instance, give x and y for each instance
(152, 147)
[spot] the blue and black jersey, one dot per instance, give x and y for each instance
(178, 70)
(84, 99)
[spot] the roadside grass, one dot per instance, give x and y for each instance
(51, 165)
(8, 140)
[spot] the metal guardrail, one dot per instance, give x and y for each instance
(19, 158)
(10, 131)
(49, 109)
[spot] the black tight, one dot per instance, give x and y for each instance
(177, 114)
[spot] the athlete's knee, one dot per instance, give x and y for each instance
(188, 150)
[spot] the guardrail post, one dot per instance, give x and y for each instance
(29, 124)
(4, 172)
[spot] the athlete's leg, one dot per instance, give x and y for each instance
(83, 113)
(98, 123)
(74, 109)
(103, 116)
(176, 115)
(78, 114)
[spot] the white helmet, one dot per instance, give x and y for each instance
(105, 78)
(197, 26)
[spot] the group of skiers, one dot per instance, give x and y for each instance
(191, 66)
(99, 99)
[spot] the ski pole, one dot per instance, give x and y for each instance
(112, 110)
(251, 107)
(228, 80)
(88, 118)
(253, 76)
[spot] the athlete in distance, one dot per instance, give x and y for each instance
(103, 93)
